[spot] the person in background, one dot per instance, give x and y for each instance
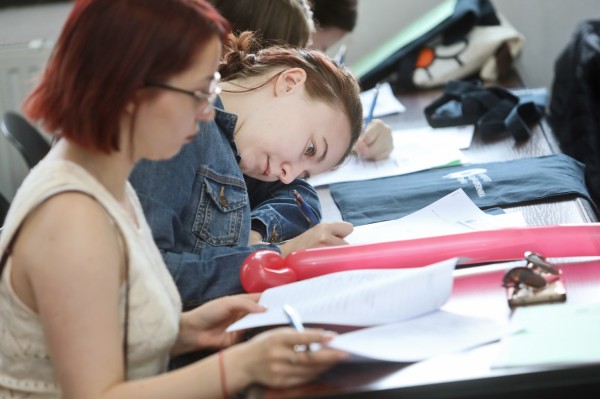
(87, 306)
(334, 19)
(274, 22)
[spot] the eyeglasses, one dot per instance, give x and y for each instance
(200, 96)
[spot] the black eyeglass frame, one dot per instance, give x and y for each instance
(210, 97)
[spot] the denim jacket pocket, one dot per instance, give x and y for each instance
(220, 214)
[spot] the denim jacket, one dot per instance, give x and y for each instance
(201, 209)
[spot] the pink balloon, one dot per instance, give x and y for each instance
(261, 271)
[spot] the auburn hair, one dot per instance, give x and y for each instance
(326, 80)
(106, 52)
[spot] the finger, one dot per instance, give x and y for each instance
(244, 304)
(340, 229)
(370, 135)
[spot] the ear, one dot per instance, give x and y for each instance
(289, 81)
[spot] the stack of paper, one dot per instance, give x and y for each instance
(403, 304)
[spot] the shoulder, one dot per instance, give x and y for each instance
(65, 229)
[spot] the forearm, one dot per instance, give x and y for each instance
(199, 380)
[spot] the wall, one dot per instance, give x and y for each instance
(21, 25)
(546, 24)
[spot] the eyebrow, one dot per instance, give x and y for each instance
(322, 157)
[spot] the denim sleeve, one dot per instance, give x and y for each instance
(213, 273)
(200, 277)
(165, 191)
(275, 213)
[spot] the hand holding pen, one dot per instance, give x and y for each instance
(319, 235)
(376, 141)
(305, 209)
(372, 108)
(294, 319)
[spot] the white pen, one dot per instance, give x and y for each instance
(295, 321)
(293, 317)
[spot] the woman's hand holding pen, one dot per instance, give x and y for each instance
(270, 358)
(325, 234)
(376, 143)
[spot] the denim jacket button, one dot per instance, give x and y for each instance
(273, 237)
(222, 198)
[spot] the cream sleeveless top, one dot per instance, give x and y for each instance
(26, 370)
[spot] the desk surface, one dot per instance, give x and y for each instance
(468, 374)
(542, 142)
(477, 292)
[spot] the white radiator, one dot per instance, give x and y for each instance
(20, 65)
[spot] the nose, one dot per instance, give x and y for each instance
(287, 175)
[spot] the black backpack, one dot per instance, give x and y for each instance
(574, 110)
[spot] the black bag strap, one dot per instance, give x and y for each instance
(493, 111)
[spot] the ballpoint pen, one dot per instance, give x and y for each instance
(294, 319)
(373, 103)
(306, 211)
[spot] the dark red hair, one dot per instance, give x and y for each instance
(106, 52)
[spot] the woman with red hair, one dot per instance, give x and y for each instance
(87, 306)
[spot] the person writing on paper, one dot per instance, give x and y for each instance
(334, 19)
(88, 309)
(283, 114)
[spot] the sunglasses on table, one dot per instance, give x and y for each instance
(539, 281)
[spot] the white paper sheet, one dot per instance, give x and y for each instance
(414, 150)
(387, 103)
(455, 213)
(551, 335)
(433, 334)
(358, 297)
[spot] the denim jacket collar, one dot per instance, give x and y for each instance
(226, 122)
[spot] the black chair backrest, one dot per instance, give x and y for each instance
(25, 137)
(4, 205)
